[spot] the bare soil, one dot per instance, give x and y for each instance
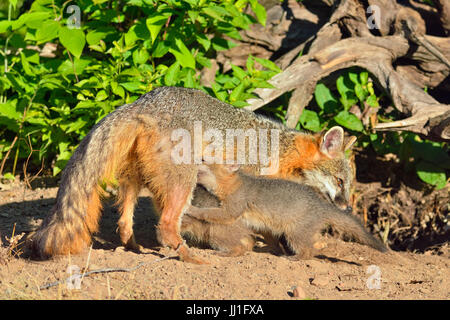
(342, 270)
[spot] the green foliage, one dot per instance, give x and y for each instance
(238, 87)
(429, 160)
(50, 99)
(123, 49)
(336, 107)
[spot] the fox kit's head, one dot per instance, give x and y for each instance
(221, 180)
(333, 173)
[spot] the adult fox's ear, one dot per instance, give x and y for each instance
(332, 142)
(349, 143)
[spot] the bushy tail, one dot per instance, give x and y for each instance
(98, 159)
(351, 226)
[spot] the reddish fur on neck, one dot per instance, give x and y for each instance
(304, 153)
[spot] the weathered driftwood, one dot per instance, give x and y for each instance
(345, 40)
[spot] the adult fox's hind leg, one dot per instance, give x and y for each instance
(129, 188)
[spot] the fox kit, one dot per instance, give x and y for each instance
(124, 147)
(331, 180)
(229, 240)
(278, 206)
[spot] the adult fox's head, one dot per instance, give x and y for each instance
(320, 162)
(333, 175)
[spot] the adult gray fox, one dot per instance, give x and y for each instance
(124, 148)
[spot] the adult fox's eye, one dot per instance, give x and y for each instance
(340, 182)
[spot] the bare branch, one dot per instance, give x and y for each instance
(376, 54)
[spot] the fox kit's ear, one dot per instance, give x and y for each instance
(332, 141)
(350, 142)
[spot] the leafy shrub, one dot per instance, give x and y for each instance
(356, 96)
(58, 80)
(121, 50)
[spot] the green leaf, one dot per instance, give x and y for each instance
(220, 44)
(202, 60)
(140, 56)
(360, 93)
(193, 15)
(268, 64)
(372, 101)
(73, 40)
(259, 11)
(364, 77)
(9, 176)
(203, 40)
(5, 25)
(32, 56)
(117, 89)
(26, 66)
(431, 174)
(47, 32)
(432, 152)
(131, 37)
(262, 84)
(101, 95)
(353, 76)
(84, 105)
(343, 86)
(325, 99)
(154, 24)
(77, 125)
(137, 3)
(250, 64)
(9, 110)
(348, 101)
(310, 120)
(160, 50)
(63, 157)
(346, 89)
(240, 104)
(17, 41)
(184, 56)
(349, 120)
(131, 86)
(238, 72)
(189, 82)
(94, 36)
(60, 163)
(171, 74)
(79, 65)
(236, 93)
(215, 12)
(33, 20)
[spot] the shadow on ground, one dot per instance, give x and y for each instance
(26, 216)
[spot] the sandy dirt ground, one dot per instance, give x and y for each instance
(341, 270)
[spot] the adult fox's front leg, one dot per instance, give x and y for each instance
(172, 186)
(173, 207)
